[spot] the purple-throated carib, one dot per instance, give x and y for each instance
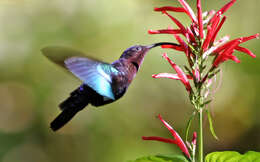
(103, 83)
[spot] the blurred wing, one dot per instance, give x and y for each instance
(59, 54)
(95, 74)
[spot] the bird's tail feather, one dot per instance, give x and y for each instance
(64, 117)
(76, 102)
(78, 98)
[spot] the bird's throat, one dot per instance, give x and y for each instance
(135, 65)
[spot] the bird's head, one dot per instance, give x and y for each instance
(135, 54)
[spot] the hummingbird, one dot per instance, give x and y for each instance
(103, 83)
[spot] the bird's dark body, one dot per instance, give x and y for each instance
(102, 83)
(120, 82)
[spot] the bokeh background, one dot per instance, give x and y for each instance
(31, 87)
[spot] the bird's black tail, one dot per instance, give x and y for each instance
(70, 107)
(64, 117)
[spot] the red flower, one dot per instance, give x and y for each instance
(179, 76)
(177, 139)
(225, 51)
(200, 19)
(194, 138)
(209, 23)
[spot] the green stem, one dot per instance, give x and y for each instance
(200, 135)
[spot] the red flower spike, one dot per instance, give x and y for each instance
(169, 8)
(179, 72)
(189, 11)
(245, 50)
(165, 31)
(223, 49)
(217, 30)
(177, 139)
(182, 28)
(226, 7)
(200, 19)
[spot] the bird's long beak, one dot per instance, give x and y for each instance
(161, 43)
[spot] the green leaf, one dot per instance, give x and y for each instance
(188, 70)
(232, 156)
(211, 125)
(188, 126)
(205, 103)
(162, 158)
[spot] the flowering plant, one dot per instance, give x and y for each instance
(204, 54)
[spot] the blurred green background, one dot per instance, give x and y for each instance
(31, 87)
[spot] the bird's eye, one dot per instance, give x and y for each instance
(138, 49)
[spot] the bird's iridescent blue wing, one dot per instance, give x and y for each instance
(95, 74)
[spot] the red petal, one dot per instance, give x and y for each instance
(165, 31)
(217, 30)
(207, 40)
(227, 54)
(180, 73)
(178, 48)
(167, 125)
(234, 58)
(183, 44)
(217, 44)
(245, 39)
(196, 73)
(213, 19)
(208, 16)
(166, 75)
(170, 76)
(169, 8)
(245, 50)
(224, 46)
(161, 139)
(242, 40)
(189, 11)
(182, 28)
(200, 19)
(194, 138)
(189, 77)
(178, 140)
(226, 7)
(191, 35)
